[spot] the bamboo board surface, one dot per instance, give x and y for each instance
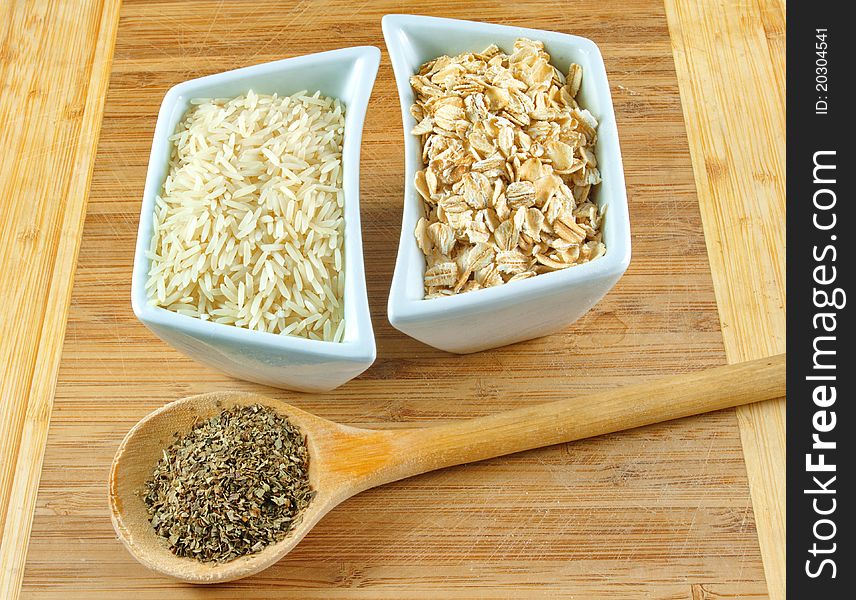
(54, 67)
(742, 197)
(676, 521)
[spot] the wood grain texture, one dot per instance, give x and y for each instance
(741, 190)
(54, 68)
(661, 512)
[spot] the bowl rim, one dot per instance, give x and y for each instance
(402, 309)
(360, 349)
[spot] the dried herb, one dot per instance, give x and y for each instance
(234, 484)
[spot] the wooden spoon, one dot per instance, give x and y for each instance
(346, 460)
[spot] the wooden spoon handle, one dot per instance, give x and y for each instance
(576, 418)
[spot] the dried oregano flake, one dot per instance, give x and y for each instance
(234, 484)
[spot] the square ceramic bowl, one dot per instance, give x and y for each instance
(278, 360)
(519, 310)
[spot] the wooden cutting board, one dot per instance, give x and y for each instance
(659, 512)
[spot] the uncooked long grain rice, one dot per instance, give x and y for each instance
(249, 227)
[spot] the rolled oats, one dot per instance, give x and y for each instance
(509, 166)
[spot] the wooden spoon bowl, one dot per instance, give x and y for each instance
(333, 479)
(344, 460)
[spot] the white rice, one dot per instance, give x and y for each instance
(249, 226)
